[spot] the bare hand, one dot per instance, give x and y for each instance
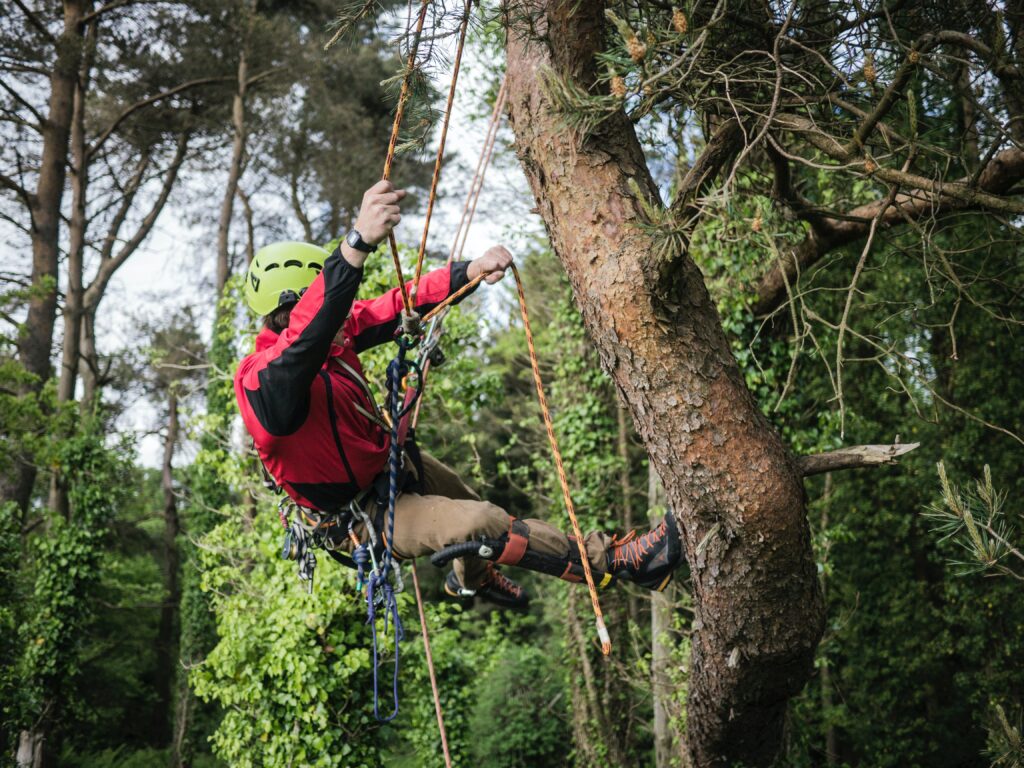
(492, 264)
(379, 212)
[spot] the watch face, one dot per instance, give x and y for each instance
(354, 239)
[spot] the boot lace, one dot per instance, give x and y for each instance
(498, 581)
(630, 550)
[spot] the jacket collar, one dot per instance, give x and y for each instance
(266, 338)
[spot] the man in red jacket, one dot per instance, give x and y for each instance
(324, 440)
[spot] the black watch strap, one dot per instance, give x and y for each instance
(355, 240)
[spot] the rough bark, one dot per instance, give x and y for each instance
(728, 477)
(626, 489)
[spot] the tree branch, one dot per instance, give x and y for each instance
(8, 183)
(107, 267)
(35, 22)
(40, 120)
(115, 4)
(127, 198)
(721, 147)
(999, 176)
(853, 458)
(133, 108)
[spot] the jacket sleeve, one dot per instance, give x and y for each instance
(374, 321)
(277, 381)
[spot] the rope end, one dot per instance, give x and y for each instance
(606, 640)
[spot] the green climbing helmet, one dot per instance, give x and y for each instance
(279, 273)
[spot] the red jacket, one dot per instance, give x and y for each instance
(303, 397)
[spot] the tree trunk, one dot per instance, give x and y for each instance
(30, 749)
(728, 477)
(166, 637)
(234, 173)
(594, 733)
(45, 211)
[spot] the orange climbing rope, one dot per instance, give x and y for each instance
(430, 668)
(407, 301)
(602, 630)
(403, 97)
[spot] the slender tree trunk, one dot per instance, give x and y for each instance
(661, 653)
(90, 369)
(300, 214)
(234, 174)
(825, 673)
(166, 636)
(34, 346)
(729, 479)
(30, 749)
(626, 488)
(592, 720)
(74, 291)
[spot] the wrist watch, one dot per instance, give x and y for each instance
(355, 240)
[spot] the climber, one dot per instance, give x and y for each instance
(324, 441)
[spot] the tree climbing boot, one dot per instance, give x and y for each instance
(496, 588)
(648, 560)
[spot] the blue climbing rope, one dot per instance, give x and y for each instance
(379, 588)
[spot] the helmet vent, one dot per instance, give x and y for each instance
(314, 265)
(293, 263)
(270, 266)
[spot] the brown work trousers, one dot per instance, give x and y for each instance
(448, 512)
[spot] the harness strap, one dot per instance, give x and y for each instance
(518, 539)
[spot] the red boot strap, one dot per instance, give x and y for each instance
(518, 538)
(573, 573)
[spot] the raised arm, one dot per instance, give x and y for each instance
(276, 381)
(375, 321)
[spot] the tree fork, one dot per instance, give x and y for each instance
(730, 480)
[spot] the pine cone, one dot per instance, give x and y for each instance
(618, 87)
(679, 22)
(637, 50)
(869, 68)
